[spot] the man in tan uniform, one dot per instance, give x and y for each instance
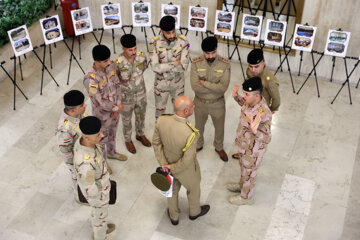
(131, 66)
(93, 176)
(169, 60)
(174, 144)
(252, 137)
(257, 68)
(68, 130)
(103, 86)
(210, 77)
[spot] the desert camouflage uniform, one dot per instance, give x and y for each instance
(94, 182)
(250, 146)
(169, 79)
(133, 93)
(105, 94)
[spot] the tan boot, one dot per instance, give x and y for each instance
(238, 200)
(110, 228)
(117, 156)
(233, 187)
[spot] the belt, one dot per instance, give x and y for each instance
(209, 101)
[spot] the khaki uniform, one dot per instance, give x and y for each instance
(270, 88)
(209, 98)
(133, 93)
(105, 94)
(94, 182)
(250, 146)
(174, 143)
(169, 79)
(67, 133)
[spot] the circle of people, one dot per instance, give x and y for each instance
(117, 88)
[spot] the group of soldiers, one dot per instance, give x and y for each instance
(117, 88)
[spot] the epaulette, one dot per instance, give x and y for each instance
(92, 75)
(192, 136)
(182, 37)
(224, 60)
(268, 78)
(66, 124)
(198, 59)
(155, 38)
(119, 60)
(140, 54)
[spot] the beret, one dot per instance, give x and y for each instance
(101, 53)
(90, 125)
(209, 44)
(128, 41)
(73, 98)
(167, 23)
(255, 56)
(252, 84)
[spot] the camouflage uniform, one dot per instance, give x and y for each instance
(67, 133)
(169, 79)
(250, 146)
(270, 88)
(105, 94)
(94, 182)
(133, 93)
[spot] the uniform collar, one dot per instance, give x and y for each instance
(86, 148)
(70, 118)
(180, 119)
(258, 105)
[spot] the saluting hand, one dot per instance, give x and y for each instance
(254, 123)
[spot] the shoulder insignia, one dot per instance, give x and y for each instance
(261, 111)
(92, 75)
(192, 136)
(155, 38)
(219, 70)
(140, 54)
(119, 60)
(87, 156)
(93, 88)
(111, 74)
(198, 59)
(103, 81)
(67, 140)
(224, 60)
(66, 123)
(182, 37)
(268, 78)
(139, 65)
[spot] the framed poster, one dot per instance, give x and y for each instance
(20, 40)
(197, 18)
(275, 32)
(111, 15)
(171, 10)
(337, 43)
(51, 29)
(303, 39)
(224, 23)
(141, 14)
(81, 20)
(251, 27)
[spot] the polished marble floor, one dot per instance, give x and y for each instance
(307, 185)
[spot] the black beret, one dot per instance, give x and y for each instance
(90, 125)
(73, 98)
(252, 84)
(255, 56)
(101, 53)
(209, 44)
(167, 23)
(128, 41)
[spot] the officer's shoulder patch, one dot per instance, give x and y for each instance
(92, 75)
(182, 37)
(87, 157)
(197, 59)
(155, 38)
(119, 59)
(66, 123)
(225, 60)
(140, 54)
(268, 78)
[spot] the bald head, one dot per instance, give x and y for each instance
(183, 106)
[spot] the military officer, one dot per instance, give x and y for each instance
(257, 68)
(169, 60)
(174, 144)
(210, 77)
(131, 66)
(103, 86)
(68, 130)
(93, 176)
(252, 137)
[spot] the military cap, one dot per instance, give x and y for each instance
(167, 23)
(255, 56)
(161, 179)
(128, 41)
(90, 125)
(209, 44)
(252, 84)
(73, 98)
(100, 53)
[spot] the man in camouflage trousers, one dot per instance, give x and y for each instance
(130, 67)
(68, 131)
(103, 86)
(252, 137)
(169, 60)
(93, 176)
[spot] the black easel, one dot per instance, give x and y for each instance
(238, 53)
(347, 81)
(288, 65)
(71, 56)
(265, 2)
(13, 81)
(289, 2)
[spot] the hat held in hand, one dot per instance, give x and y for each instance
(161, 179)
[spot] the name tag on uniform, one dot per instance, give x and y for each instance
(201, 70)
(219, 71)
(139, 65)
(103, 81)
(124, 70)
(111, 74)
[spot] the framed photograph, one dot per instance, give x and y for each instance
(275, 32)
(20, 40)
(251, 27)
(303, 39)
(141, 14)
(171, 10)
(224, 23)
(111, 16)
(51, 29)
(81, 20)
(337, 43)
(198, 18)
